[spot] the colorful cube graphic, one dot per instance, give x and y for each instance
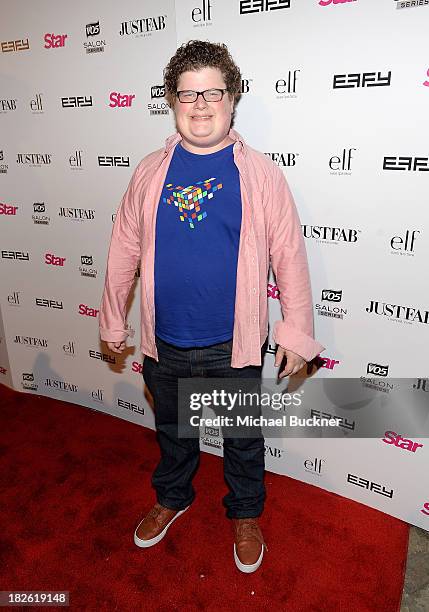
(189, 199)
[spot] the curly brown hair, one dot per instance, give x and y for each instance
(197, 54)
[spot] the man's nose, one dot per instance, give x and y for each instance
(200, 102)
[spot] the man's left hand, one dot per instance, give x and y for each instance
(294, 361)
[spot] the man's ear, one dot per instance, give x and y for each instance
(170, 99)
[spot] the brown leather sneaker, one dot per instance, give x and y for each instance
(249, 544)
(154, 525)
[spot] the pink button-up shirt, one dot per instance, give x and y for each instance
(270, 233)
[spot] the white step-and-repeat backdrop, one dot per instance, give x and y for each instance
(336, 92)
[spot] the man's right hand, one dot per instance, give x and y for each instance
(117, 347)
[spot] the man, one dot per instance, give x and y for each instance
(204, 216)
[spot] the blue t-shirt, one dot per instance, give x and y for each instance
(196, 248)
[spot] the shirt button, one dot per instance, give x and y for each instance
(254, 289)
(254, 319)
(253, 260)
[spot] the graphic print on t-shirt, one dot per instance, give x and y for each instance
(197, 237)
(190, 200)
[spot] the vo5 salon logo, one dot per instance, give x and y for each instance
(410, 3)
(331, 309)
(3, 167)
(92, 45)
(377, 369)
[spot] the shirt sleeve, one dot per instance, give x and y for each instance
(122, 262)
(288, 259)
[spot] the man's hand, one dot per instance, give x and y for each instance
(116, 347)
(294, 361)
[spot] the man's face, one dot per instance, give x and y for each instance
(204, 126)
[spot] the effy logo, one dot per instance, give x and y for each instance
(409, 163)
(76, 101)
(364, 79)
(15, 45)
(372, 486)
(130, 406)
(258, 6)
(19, 255)
(116, 161)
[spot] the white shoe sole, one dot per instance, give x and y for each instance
(248, 569)
(146, 543)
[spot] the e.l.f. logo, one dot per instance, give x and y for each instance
(204, 14)
(97, 395)
(314, 465)
(36, 104)
(287, 85)
(345, 160)
(76, 160)
(406, 244)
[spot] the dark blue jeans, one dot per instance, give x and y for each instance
(244, 458)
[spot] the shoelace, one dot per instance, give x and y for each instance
(249, 529)
(155, 513)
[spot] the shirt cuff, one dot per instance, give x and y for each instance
(295, 340)
(116, 335)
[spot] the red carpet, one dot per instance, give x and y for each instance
(74, 484)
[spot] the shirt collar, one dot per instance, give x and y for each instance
(172, 141)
